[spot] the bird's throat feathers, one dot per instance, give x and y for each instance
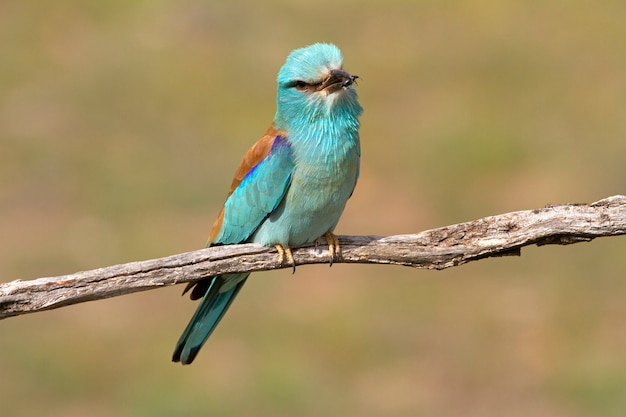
(319, 124)
(319, 128)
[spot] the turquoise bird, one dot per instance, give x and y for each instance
(292, 185)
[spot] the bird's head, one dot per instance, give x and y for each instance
(313, 84)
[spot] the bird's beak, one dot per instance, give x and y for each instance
(337, 80)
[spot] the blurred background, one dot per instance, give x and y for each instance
(121, 124)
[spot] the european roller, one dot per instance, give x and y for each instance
(292, 185)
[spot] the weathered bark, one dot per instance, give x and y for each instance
(439, 248)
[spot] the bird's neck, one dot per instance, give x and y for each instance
(318, 130)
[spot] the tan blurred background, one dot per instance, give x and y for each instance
(121, 124)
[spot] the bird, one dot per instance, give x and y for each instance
(292, 185)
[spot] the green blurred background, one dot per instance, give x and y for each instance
(121, 124)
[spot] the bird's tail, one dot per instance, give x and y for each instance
(220, 293)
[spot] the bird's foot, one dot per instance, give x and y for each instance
(333, 246)
(284, 252)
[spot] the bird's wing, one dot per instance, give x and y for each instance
(358, 169)
(260, 184)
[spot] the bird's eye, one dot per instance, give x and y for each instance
(300, 85)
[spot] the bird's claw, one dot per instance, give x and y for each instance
(284, 252)
(333, 246)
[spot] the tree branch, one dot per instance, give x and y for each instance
(439, 248)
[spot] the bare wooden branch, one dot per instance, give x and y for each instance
(440, 248)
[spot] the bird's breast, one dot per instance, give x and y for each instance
(321, 183)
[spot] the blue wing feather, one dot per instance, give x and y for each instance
(252, 201)
(258, 194)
